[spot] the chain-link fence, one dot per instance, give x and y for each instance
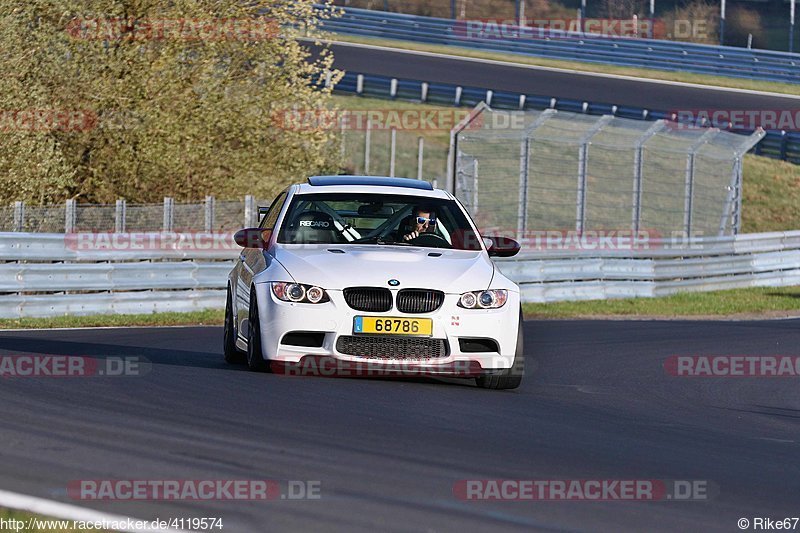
(210, 215)
(395, 152)
(551, 170)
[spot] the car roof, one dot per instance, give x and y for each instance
(369, 184)
(370, 180)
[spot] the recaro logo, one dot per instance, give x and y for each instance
(315, 223)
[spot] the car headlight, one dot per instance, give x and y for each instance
(299, 293)
(491, 299)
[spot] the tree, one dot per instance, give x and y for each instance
(142, 99)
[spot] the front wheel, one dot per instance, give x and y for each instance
(255, 357)
(511, 377)
(231, 352)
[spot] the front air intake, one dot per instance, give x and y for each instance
(369, 299)
(419, 300)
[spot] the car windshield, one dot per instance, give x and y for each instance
(379, 219)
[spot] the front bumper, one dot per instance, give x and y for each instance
(335, 319)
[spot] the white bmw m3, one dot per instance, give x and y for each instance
(378, 275)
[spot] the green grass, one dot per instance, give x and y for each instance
(771, 195)
(745, 303)
(24, 516)
(685, 77)
(207, 317)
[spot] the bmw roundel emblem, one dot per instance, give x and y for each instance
(394, 282)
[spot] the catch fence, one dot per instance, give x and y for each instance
(519, 172)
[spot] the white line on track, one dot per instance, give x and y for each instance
(556, 69)
(65, 511)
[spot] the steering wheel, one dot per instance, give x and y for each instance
(430, 239)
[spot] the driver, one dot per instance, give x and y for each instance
(423, 221)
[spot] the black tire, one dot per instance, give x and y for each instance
(255, 357)
(232, 354)
(512, 377)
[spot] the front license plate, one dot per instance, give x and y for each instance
(391, 325)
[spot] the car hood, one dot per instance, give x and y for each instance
(452, 271)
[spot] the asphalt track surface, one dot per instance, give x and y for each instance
(387, 452)
(622, 92)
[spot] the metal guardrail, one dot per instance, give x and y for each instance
(39, 285)
(648, 53)
(776, 144)
(128, 303)
(50, 274)
(49, 247)
(748, 260)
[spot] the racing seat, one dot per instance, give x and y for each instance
(314, 227)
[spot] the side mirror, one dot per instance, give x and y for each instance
(502, 247)
(252, 237)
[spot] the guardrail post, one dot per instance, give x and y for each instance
(210, 208)
(420, 152)
(119, 216)
(168, 214)
(392, 152)
(250, 211)
(474, 185)
(19, 216)
(424, 92)
(367, 139)
(737, 213)
(784, 144)
(393, 88)
(524, 171)
(359, 84)
(342, 131)
(638, 168)
(522, 210)
(731, 211)
(457, 101)
(489, 95)
(452, 150)
(522, 101)
(70, 216)
(689, 180)
(583, 161)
